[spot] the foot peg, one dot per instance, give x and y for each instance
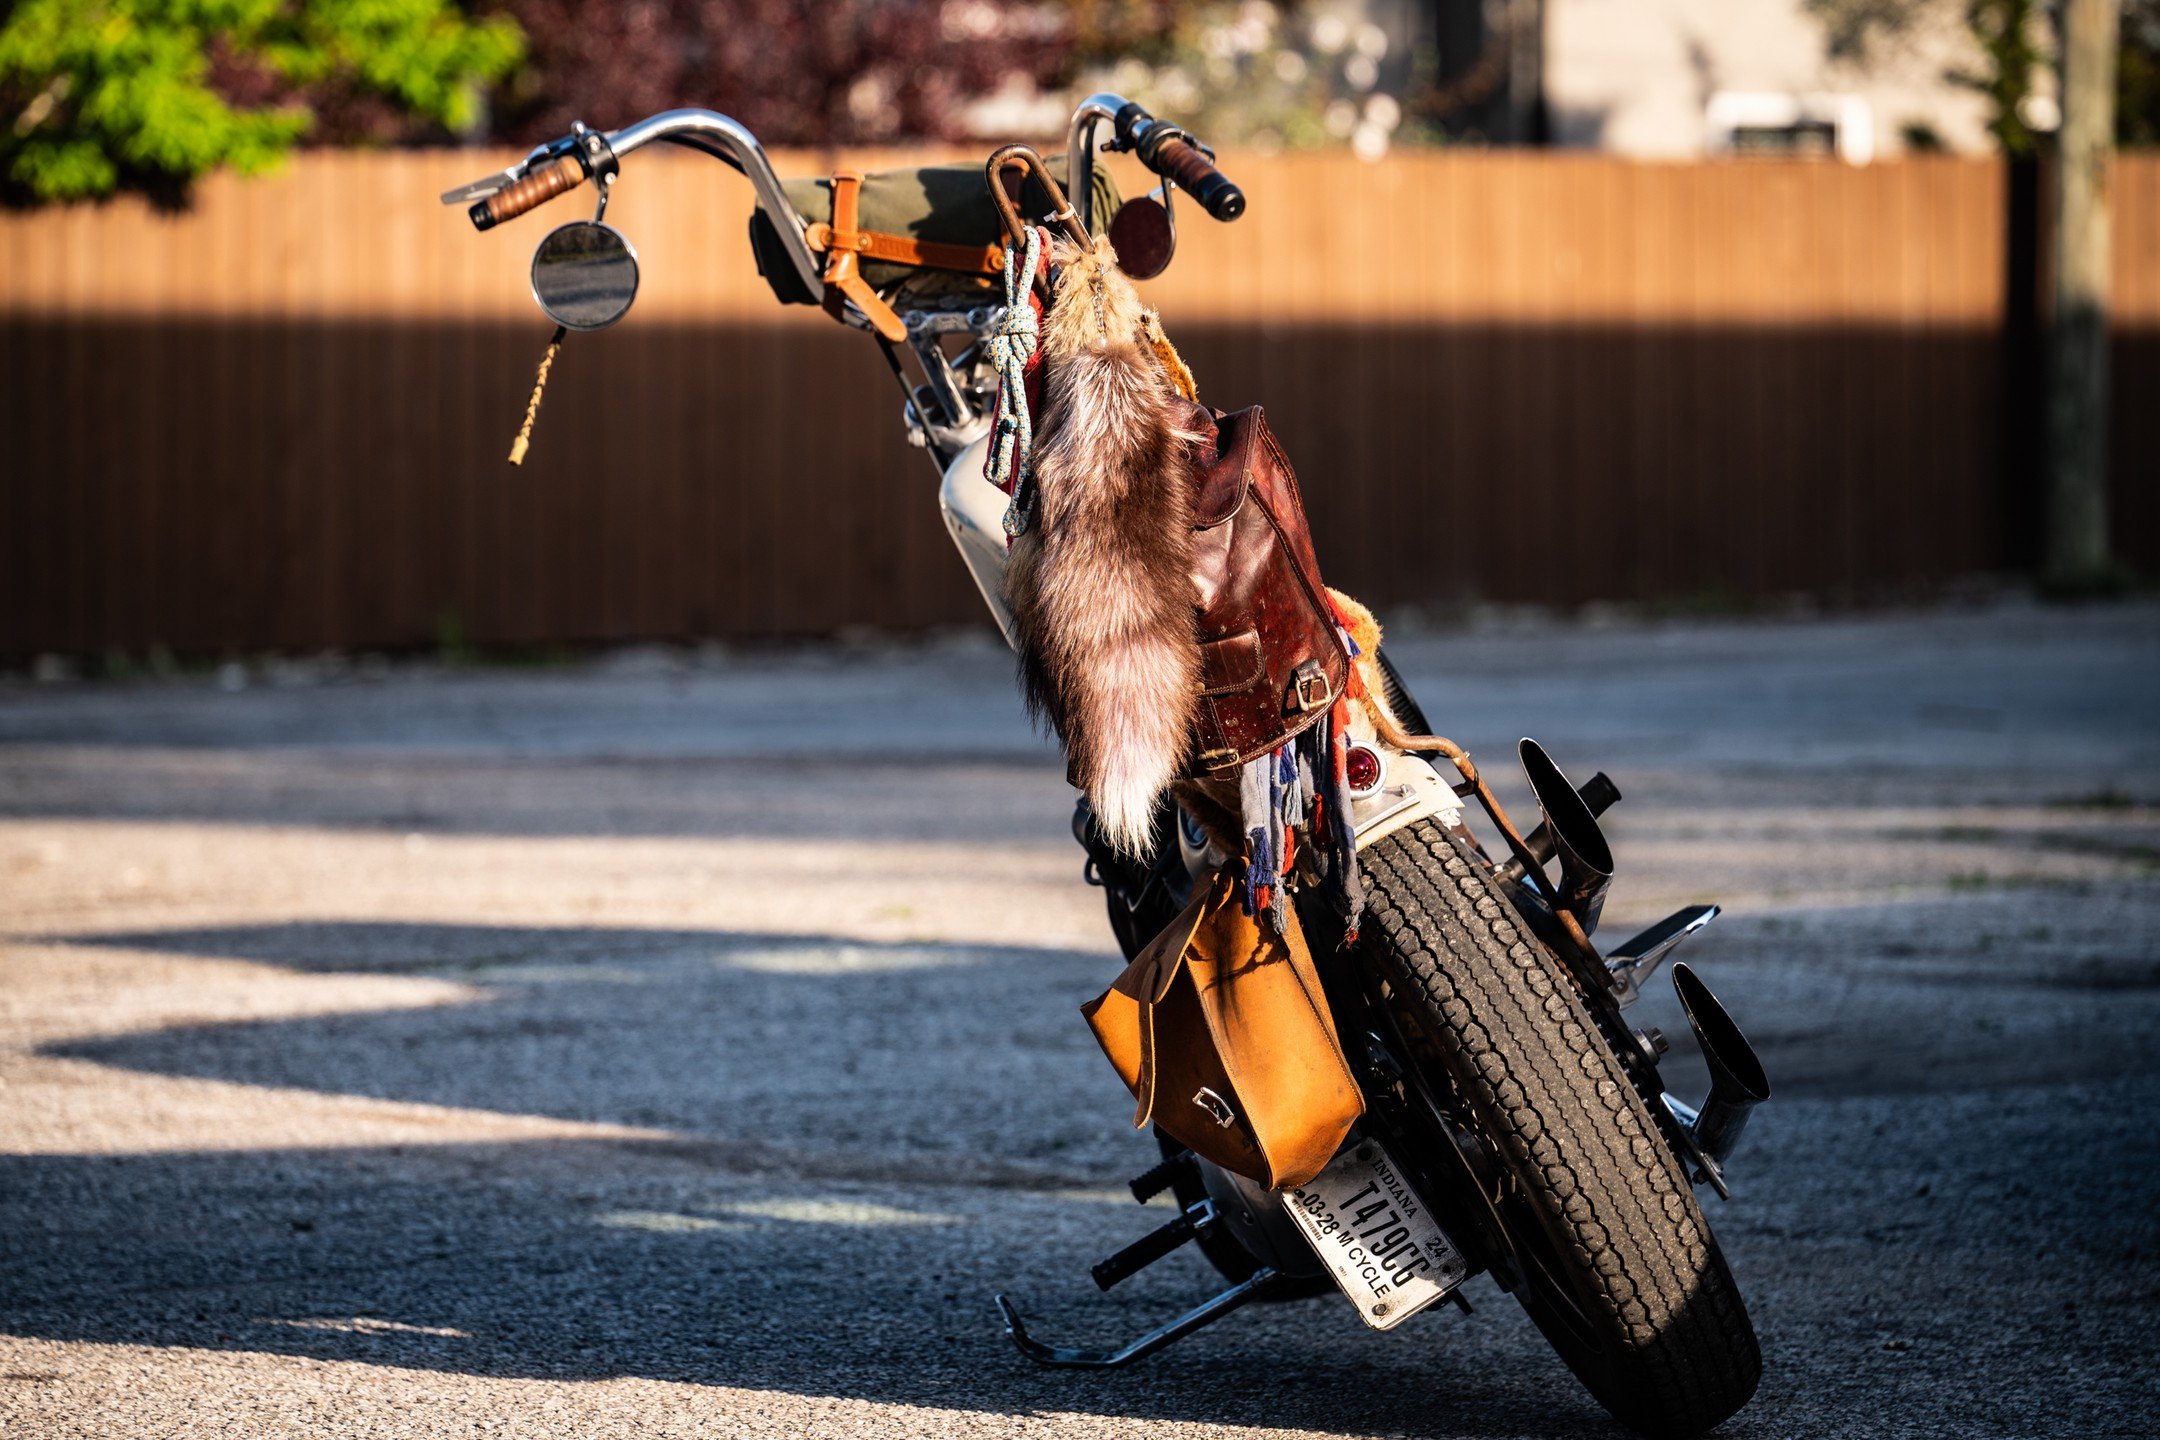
(1636, 958)
(1152, 1246)
(1150, 1183)
(1200, 1316)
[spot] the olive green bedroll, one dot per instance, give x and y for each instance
(947, 204)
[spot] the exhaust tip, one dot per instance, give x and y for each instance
(1586, 863)
(1737, 1081)
(1574, 825)
(1732, 1060)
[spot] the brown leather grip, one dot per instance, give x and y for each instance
(1197, 174)
(534, 190)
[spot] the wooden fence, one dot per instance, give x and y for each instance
(277, 421)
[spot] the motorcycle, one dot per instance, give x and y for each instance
(1515, 1121)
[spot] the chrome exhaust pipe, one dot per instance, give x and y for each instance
(1586, 864)
(1737, 1081)
(1598, 792)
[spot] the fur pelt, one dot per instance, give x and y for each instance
(1100, 583)
(1364, 627)
(1373, 716)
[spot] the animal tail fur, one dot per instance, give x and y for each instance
(1100, 583)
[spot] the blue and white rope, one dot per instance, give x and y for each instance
(1012, 345)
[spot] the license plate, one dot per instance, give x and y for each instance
(1376, 1236)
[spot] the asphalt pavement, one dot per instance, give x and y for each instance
(686, 1043)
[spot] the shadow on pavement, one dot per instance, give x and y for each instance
(506, 953)
(846, 1056)
(866, 1140)
(891, 798)
(580, 1261)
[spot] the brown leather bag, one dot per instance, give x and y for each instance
(1271, 659)
(1221, 1030)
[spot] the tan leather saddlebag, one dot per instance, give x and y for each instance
(1221, 1031)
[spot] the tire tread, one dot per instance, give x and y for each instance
(1573, 1130)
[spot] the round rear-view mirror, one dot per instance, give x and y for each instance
(585, 275)
(1143, 237)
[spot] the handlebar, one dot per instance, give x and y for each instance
(498, 197)
(1168, 150)
(556, 169)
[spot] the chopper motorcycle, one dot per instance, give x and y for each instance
(1515, 1122)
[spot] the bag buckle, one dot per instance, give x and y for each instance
(1218, 1109)
(1222, 757)
(1309, 688)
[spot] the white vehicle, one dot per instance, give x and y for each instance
(1515, 1121)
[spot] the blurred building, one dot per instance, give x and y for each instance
(1675, 79)
(1654, 79)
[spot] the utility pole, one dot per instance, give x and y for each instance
(1527, 121)
(2077, 556)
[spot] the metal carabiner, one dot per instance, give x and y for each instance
(1062, 215)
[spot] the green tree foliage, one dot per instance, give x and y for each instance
(1852, 28)
(104, 95)
(2010, 36)
(2016, 40)
(2137, 77)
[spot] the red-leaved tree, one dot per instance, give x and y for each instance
(829, 73)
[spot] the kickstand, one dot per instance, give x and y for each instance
(1194, 1319)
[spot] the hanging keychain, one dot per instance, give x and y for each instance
(519, 446)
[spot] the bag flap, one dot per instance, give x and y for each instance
(1116, 1019)
(1148, 978)
(1122, 1017)
(1226, 472)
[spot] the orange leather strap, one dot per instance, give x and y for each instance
(843, 280)
(906, 250)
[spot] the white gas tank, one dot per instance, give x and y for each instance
(975, 517)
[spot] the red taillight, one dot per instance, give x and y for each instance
(1361, 767)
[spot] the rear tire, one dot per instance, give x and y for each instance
(1620, 1270)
